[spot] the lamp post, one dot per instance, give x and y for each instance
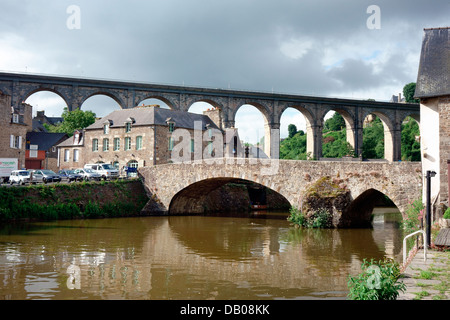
(429, 175)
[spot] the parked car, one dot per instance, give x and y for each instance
(106, 171)
(70, 175)
(36, 177)
(48, 176)
(88, 174)
(19, 177)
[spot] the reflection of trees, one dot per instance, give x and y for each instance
(222, 237)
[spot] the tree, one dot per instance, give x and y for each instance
(409, 91)
(292, 129)
(410, 145)
(373, 140)
(335, 123)
(73, 120)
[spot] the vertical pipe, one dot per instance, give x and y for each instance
(428, 208)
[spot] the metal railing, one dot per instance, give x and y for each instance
(424, 247)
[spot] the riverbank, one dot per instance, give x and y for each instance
(106, 199)
(427, 280)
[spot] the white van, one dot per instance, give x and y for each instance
(19, 177)
(105, 170)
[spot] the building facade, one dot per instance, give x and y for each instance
(433, 90)
(149, 135)
(14, 124)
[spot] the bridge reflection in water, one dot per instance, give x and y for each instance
(186, 258)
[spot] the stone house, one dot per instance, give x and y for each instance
(433, 90)
(71, 152)
(15, 123)
(149, 135)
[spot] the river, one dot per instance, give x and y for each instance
(184, 258)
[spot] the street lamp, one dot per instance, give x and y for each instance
(429, 175)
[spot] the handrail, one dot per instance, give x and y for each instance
(424, 247)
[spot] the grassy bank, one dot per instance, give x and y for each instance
(83, 200)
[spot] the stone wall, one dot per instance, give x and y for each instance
(444, 146)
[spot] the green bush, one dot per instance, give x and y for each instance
(413, 220)
(296, 216)
(320, 219)
(447, 214)
(378, 281)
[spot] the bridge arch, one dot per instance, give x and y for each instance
(107, 93)
(224, 194)
(261, 108)
(253, 114)
(206, 101)
(391, 134)
(38, 90)
(100, 104)
(47, 100)
(349, 120)
(361, 208)
(155, 98)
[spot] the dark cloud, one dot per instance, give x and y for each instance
(318, 47)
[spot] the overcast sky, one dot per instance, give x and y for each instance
(308, 47)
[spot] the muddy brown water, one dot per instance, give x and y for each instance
(193, 257)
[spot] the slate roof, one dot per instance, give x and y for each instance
(152, 116)
(72, 141)
(434, 68)
(45, 140)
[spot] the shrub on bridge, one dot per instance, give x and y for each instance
(319, 219)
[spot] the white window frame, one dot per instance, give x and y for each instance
(33, 151)
(105, 144)
(127, 144)
(76, 155)
(95, 145)
(116, 144)
(139, 144)
(127, 127)
(66, 155)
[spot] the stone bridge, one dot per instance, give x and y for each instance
(75, 91)
(181, 188)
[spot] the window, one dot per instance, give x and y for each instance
(106, 128)
(139, 143)
(116, 144)
(127, 143)
(95, 145)
(33, 151)
(15, 142)
(106, 144)
(66, 155)
(192, 146)
(171, 143)
(76, 155)
(210, 148)
(171, 126)
(15, 118)
(128, 127)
